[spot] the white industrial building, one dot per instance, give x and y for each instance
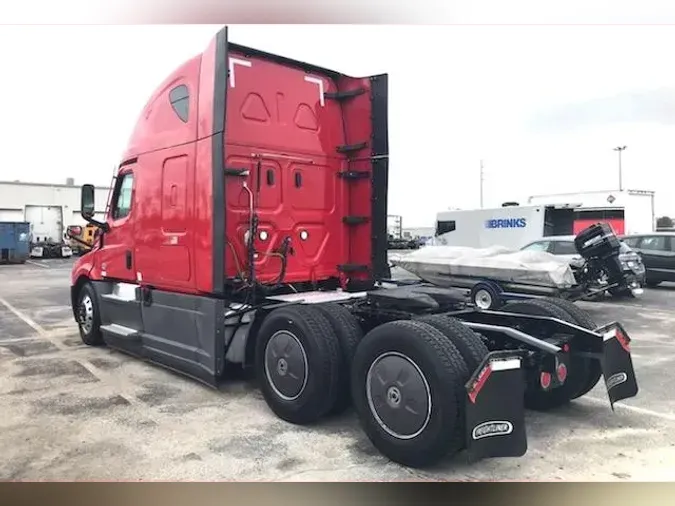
(49, 208)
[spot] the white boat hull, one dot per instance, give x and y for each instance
(452, 266)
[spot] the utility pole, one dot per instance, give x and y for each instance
(481, 184)
(620, 150)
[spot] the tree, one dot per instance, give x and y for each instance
(665, 222)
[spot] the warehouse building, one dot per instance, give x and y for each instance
(418, 232)
(49, 208)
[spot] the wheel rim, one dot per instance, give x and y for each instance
(483, 299)
(398, 395)
(286, 365)
(86, 314)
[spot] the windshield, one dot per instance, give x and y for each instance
(536, 246)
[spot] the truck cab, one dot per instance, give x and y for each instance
(247, 175)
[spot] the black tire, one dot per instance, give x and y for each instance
(583, 319)
(652, 283)
(470, 347)
(580, 317)
(316, 360)
(435, 365)
(480, 291)
(468, 343)
(349, 334)
(89, 316)
(580, 370)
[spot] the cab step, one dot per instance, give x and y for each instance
(120, 331)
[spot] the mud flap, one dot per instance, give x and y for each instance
(617, 364)
(495, 410)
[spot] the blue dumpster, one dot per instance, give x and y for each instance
(14, 242)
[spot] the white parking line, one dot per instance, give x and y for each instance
(60, 346)
(14, 340)
(39, 265)
(643, 411)
(28, 321)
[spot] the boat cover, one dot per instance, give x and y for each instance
(438, 264)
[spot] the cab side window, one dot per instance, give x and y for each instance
(180, 102)
(122, 205)
(443, 227)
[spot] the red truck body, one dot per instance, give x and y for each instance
(314, 142)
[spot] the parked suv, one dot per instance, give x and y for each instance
(658, 254)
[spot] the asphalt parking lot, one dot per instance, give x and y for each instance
(70, 412)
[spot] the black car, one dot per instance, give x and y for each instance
(658, 254)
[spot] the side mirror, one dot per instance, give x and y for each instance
(87, 208)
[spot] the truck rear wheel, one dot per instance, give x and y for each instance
(470, 347)
(349, 334)
(468, 343)
(88, 316)
(583, 319)
(298, 362)
(580, 371)
(407, 379)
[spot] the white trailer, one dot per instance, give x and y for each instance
(511, 227)
(628, 211)
(46, 226)
(46, 223)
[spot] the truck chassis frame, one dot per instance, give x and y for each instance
(531, 352)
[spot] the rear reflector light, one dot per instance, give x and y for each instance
(621, 338)
(561, 372)
(545, 380)
(480, 381)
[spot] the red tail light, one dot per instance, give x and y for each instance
(545, 380)
(561, 372)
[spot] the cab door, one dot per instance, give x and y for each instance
(116, 253)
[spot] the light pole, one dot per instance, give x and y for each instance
(481, 184)
(620, 150)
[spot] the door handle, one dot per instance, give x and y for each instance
(128, 258)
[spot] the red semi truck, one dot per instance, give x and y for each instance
(247, 227)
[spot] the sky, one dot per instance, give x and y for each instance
(542, 106)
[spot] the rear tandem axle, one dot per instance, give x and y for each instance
(427, 375)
